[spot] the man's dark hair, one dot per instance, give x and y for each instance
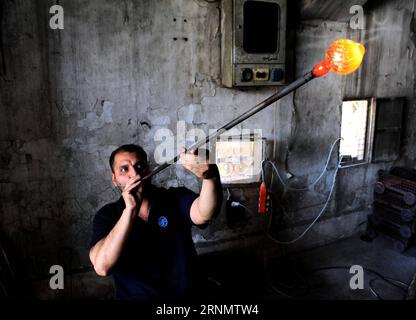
(133, 148)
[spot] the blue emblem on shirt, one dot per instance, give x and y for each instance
(163, 222)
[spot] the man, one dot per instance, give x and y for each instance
(144, 239)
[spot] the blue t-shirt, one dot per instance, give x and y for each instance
(159, 256)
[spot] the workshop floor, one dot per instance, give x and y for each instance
(238, 275)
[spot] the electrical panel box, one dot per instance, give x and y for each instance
(253, 42)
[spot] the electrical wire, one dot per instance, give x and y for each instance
(6, 259)
(241, 205)
(317, 217)
(388, 280)
(391, 281)
(400, 282)
(306, 288)
(293, 130)
(288, 187)
(10, 274)
(302, 189)
(373, 291)
(3, 288)
(301, 283)
(275, 289)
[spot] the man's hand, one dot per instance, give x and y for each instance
(197, 164)
(209, 201)
(105, 253)
(132, 194)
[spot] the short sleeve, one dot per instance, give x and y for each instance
(184, 198)
(103, 223)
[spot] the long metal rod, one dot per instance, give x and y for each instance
(260, 106)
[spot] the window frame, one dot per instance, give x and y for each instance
(400, 128)
(242, 137)
(369, 134)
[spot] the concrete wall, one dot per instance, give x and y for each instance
(387, 71)
(120, 71)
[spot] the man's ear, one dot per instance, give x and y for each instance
(113, 178)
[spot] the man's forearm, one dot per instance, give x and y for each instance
(210, 197)
(106, 252)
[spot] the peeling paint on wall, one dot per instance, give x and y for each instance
(119, 77)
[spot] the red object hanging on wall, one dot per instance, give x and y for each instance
(262, 199)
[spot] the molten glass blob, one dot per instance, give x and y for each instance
(343, 57)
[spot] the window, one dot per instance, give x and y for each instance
(388, 129)
(239, 158)
(371, 130)
(354, 131)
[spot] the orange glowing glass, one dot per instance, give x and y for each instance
(344, 56)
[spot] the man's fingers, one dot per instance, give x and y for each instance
(133, 180)
(189, 166)
(192, 161)
(186, 158)
(132, 186)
